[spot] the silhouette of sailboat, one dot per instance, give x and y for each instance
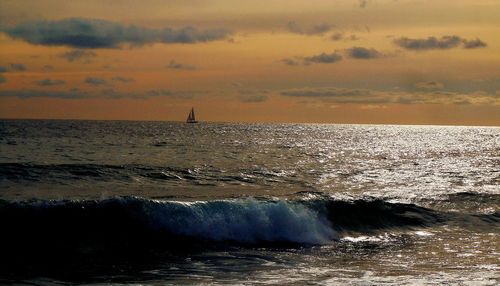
(191, 118)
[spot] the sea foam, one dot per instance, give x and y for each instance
(247, 220)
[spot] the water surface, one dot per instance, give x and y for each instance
(90, 202)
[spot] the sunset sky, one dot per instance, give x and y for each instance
(345, 61)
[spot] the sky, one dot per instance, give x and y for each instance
(345, 61)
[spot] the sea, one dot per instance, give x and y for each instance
(170, 203)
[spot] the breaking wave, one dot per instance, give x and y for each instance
(245, 220)
(131, 221)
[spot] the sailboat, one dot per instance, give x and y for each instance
(191, 118)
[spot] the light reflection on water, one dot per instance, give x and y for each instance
(454, 170)
(231, 160)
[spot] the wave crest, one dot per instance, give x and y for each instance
(248, 221)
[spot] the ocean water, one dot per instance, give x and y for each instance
(165, 203)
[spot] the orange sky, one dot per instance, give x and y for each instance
(373, 61)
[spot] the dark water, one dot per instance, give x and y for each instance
(95, 202)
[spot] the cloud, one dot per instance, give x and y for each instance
(253, 98)
(290, 62)
(337, 36)
(77, 54)
(317, 29)
(338, 95)
(169, 93)
(327, 92)
(295, 28)
(341, 36)
(433, 43)
(363, 3)
(445, 42)
(323, 58)
(49, 82)
(373, 106)
(429, 85)
(2, 79)
(108, 93)
(12, 67)
(95, 81)
(17, 67)
(447, 97)
(363, 53)
(48, 67)
(178, 66)
(473, 44)
(98, 33)
(252, 95)
(122, 79)
(71, 94)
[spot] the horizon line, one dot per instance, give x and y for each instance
(253, 122)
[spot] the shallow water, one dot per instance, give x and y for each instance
(91, 202)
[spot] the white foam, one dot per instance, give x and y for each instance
(423, 233)
(246, 220)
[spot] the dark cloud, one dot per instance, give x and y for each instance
(290, 62)
(317, 29)
(71, 94)
(98, 33)
(473, 44)
(13, 67)
(17, 67)
(175, 65)
(2, 79)
(113, 94)
(341, 36)
(447, 97)
(363, 53)
(96, 81)
(429, 85)
(295, 28)
(252, 95)
(48, 67)
(433, 43)
(122, 79)
(323, 58)
(337, 36)
(366, 96)
(49, 82)
(339, 95)
(253, 98)
(445, 42)
(363, 3)
(108, 93)
(189, 35)
(78, 54)
(326, 92)
(169, 93)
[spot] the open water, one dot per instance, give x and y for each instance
(97, 202)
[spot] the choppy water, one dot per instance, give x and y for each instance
(91, 202)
